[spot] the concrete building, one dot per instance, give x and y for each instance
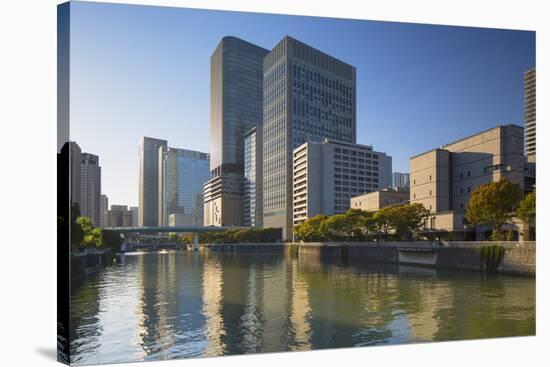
(308, 96)
(182, 174)
(442, 179)
(149, 180)
(377, 200)
(253, 178)
(530, 113)
(236, 87)
(135, 215)
(401, 180)
(328, 174)
(90, 187)
(104, 211)
(120, 216)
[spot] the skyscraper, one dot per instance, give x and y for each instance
(253, 178)
(401, 180)
(74, 171)
(530, 111)
(135, 215)
(236, 79)
(182, 174)
(149, 180)
(308, 96)
(90, 187)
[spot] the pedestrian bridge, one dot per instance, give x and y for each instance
(184, 229)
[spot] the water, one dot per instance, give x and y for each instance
(167, 305)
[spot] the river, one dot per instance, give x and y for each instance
(178, 304)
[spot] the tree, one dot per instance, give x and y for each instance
(91, 236)
(310, 230)
(77, 235)
(384, 220)
(494, 204)
(408, 220)
(527, 209)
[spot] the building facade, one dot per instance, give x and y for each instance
(401, 180)
(443, 179)
(327, 175)
(120, 216)
(74, 172)
(149, 180)
(104, 211)
(135, 216)
(182, 175)
(308, 96)
(530, 113)
(253, 178)
(90, 187)
(377, 200)
(236, 87)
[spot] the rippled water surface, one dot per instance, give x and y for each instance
(154, 306)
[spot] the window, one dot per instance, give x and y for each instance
(468, 189)
(468, 173)
(430, 192)
(430, 177)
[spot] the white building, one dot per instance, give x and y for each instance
(327, 175)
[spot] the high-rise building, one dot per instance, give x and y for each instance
(442, 179)
(182, 174)
(400, 180)
(104, 211)
(90, 187)
(236, 79)
(253, 178)
(328, 174)
(149, 180)
(308, 96)
(120, 216)
(135, 215)
(74, 171)
(530, 113)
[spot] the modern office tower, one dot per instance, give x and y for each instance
(120, 216)
(377, 200)
(253, 179)
(182, 174)
(149, 180)
(442, 179)
(530, 117)
(104, 211)
(90, 187)
(400, 180)
(328, 174)
(236, 78)
(135, 215)
(308, 96)
(74, 171)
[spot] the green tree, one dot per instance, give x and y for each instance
(384, 220)
(310, 230)
(494, 204)
(527, 209)
(77, 235)
(91, 236)
(408, 220)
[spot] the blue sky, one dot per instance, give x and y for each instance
(143, 70)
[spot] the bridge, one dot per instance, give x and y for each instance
(155, 229)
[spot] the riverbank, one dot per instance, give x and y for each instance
(83, 263)
(510, 257)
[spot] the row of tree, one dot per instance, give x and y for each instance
(84, 235)
(494, 204)
(400, 223)
(248, 235)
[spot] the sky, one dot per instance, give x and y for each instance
(145, 71)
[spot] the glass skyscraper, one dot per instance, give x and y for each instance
(149, 180)
(308, 96)
(182, 174)
(252, 202)
(236, 69)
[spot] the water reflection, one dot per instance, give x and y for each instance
(169, 305)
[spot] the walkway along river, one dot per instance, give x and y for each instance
(175, 304)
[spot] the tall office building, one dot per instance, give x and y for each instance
(120, 216)
(104, 211)
(443, 179)
(253, 178)
(74, 171)
(135, 215)
(530, 113)
(328, 174)
(90, 188)
(149, 180)
(182, 174)
(236, 77)
(400, 180)
(308, 96)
